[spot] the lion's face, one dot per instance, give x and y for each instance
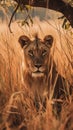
(36, 54)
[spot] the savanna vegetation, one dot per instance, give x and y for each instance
(17, 109)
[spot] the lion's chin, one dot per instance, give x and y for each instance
(36, 75)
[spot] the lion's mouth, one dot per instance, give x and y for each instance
(38, 73)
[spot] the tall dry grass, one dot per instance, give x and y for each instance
(17, 111)
(10, 66)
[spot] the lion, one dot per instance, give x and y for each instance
(40, 73)
(39, 64)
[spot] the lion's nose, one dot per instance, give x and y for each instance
(38, 65)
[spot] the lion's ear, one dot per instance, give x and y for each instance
(48, 40)
(24, 41)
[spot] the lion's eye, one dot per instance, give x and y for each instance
(30, 53)
(44, 52)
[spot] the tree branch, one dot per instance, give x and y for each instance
(57, 5)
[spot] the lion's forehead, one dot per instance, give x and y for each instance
(34, 46)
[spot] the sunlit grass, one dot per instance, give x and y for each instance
(16, 100)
